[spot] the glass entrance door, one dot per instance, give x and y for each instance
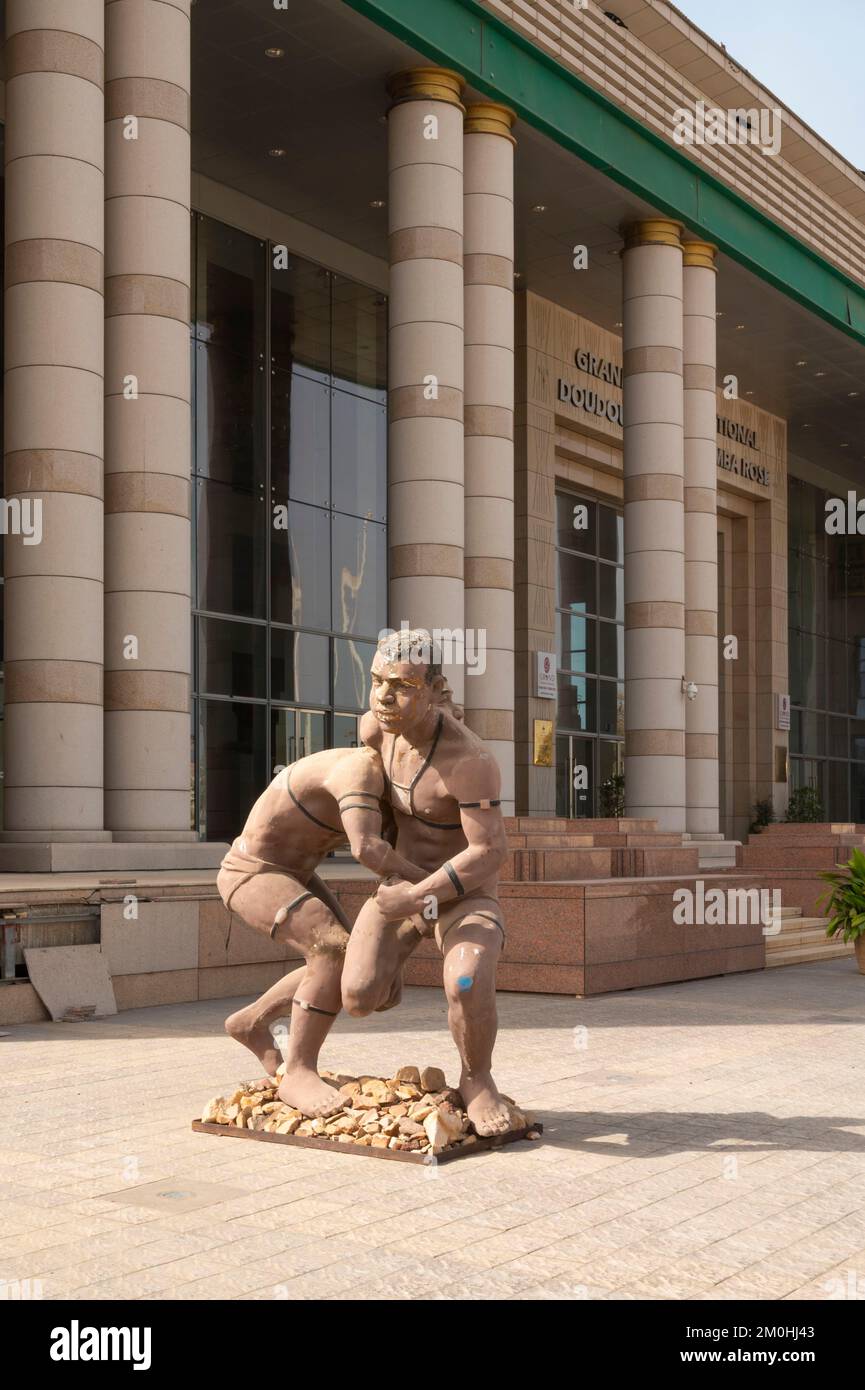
(575, 777)
(296, 733)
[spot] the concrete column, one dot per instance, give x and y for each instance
(654, 524)
(53, 431)
(489, 430)
(425, 353)
(701, 537)
(147, 420)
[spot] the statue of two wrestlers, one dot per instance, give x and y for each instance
(419, 804)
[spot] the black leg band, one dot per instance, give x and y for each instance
(283, 912)
(312, 1008)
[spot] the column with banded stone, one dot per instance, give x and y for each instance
(147, 418)
(425, 353)
(488, 264)
(53, 428)
(654, 524)
(701, 537)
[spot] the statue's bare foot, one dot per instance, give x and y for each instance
(303, 1089)
(255, 1035)
(488, 1111)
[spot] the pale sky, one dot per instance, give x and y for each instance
(810, 55)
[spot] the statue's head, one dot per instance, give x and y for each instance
(407, 681)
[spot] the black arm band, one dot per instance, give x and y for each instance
(454, 878)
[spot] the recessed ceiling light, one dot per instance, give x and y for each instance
(749, 393)
(819, 373)
(806, 427)
(276, 152)
(845, 446)
(719, 313)
(377, 203)
(618, 323)
(801, 362)
(539, 207)
(852, 393)
(274, 53)
(740, 325)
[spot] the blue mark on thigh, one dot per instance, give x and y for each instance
(465, 981)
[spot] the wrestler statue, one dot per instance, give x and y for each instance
(443, 785)
(268, 878)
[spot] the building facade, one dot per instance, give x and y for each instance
(323, 319)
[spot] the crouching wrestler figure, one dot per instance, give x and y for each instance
(268, 878)
(443, 784)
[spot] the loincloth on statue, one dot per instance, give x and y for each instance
(239, 868)
(452, 913)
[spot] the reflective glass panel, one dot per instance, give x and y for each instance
(300, 317)
(299, 667)
(359, 458)
(300, 568)
(235, 768)
(231, 658)
(230, 290)
(577, 703)
(576, 583)
(351, 679)
(231, 549)
(229, 418)
(611, 544)
(577, 642)
(300, 439)
(359, 576)
(576, 523)
(359, 339)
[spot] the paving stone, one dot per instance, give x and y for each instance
(630, 1195)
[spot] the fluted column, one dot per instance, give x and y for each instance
(488, 264)
(425, 353)
(147, 414)
(654, 524)
(701, 537)
(53, 430)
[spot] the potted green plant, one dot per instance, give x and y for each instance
(845, 903)
(805, 806)
(764, 814)
(612, 796)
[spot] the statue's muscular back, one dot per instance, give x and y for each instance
(280, 831)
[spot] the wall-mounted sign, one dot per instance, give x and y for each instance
(603, 407)
(782, 711)
(545, 676)
(600, 367)
(583, 398)
(737, 463)
(543, 743)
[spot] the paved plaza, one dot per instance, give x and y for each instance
(702, 1140)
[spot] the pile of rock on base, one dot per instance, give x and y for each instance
(414, 1110)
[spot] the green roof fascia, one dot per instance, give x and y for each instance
(508, 67)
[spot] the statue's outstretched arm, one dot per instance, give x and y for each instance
(361, 819)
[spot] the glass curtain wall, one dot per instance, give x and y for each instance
(590, 643)
(290, 478)
(826, 582)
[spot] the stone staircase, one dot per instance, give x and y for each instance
(818, 847)
(552, 848)
(802, 939)
(801, 846)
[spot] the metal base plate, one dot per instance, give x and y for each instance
(481, 1145)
